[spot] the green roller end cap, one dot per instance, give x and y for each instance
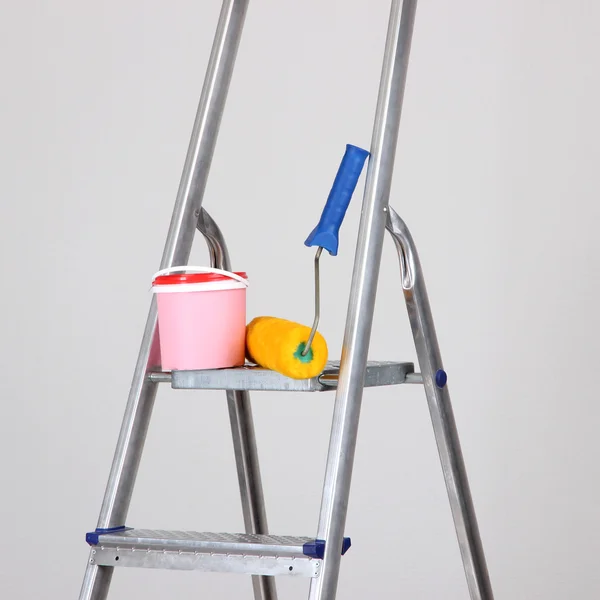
(300, 350)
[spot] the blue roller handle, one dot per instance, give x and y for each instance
(325, 234)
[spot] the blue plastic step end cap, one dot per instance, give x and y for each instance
(316, 548)
(92, 536)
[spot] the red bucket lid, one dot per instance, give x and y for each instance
(176, 278)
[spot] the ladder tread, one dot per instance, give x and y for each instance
(219, 552)
(202, 541)
(252, 377)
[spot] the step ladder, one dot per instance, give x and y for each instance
(256, 552)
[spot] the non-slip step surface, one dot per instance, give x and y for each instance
(203, 542)
(221, 552)
(251, 377)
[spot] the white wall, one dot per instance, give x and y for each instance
(497, 177)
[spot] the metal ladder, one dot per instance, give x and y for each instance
(256, 552)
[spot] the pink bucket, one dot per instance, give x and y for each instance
(201, 317)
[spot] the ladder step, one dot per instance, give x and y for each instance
(251, 377)
(219, 552)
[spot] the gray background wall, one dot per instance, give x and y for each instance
(497, 177)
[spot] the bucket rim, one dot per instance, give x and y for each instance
(195, 275)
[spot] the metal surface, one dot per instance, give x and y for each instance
(176, 252)
(242, 427)
(263, 566)
(338, 474)
(217, 248)
(264, 555)
(414, 378)
(195, 541)
(249, 479)
(96, 581)
(377, 373)
(440, 408)
(159, 376)
(204, 133)
(317, 304)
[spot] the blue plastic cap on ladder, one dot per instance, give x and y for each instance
(441, 378)
(316, 548)
(92, 537)
(325, 234)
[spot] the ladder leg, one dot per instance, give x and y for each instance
(440, 408)
(96, 581)
(253, 503)
(355, 348)
(242, 428)
(136, 419)
(126, 459)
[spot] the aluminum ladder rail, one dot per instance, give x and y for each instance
(256, 552)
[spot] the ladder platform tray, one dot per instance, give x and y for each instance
(252, 377)
(217, 552)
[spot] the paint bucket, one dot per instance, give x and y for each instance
(201, 317)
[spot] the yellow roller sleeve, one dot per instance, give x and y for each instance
(277, 344)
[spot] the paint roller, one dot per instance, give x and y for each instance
(292, 349)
